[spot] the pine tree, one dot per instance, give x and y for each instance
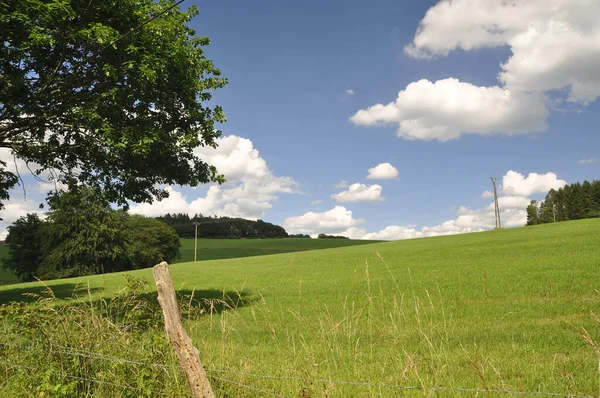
(532, 213)
(576, 204)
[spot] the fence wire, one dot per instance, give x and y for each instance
(402, 387)
(96, 381)
(92, 355)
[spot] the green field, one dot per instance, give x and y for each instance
(217, 249)
(497, 310)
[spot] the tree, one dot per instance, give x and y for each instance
(24, 247)
(532, 213)
(587, 199)
(83, 236)
(576, 206)
(149, 241)
(325, 236)
(110, 94)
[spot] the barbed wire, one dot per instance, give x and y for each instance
(402, 387)
(81, 378)
(88, 354)
(92, 355)
(249, 387)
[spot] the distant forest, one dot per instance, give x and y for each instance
(222, 227)
(571, 202)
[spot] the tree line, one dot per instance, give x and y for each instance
(571, 202)
(324, 236)
(83, 235)
(221, 227)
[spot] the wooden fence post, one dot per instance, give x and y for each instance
(188, 355)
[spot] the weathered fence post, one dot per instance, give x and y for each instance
(189, 357)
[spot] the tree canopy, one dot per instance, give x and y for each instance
(83, 235)
(221, 227)
(571, 202)
(111, 94)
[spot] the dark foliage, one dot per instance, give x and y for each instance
(83, 235)
(24, 247)
(571, 202)
(323, 236)
(100, 94)
(222, 227)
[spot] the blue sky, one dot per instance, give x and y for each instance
(300, 72)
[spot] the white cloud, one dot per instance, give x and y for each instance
(249, 192)
(337, 219)
(487, 194)
(316, 202)
(589, 161)
(16, 165)
(341, 185)
(555, 44)
(360, 193)
(516, 184)
(17, 207)
(448, 108)
(383, 171)
(394, 232)
(555, 50)
(353, 233)
(235, 158)
(512, 212)
(349, 92)
(511, 202)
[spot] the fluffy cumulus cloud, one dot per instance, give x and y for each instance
(555, 44)
(555, 48)
(17, 206)
(445, 109)
(337, 219)
(512, 202)
(27, 196)
(487, 194)
(516, 184)
(249, 192)
(349, 92)
(360, 193)
(383, 171)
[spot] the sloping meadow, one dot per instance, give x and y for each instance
(509, 310)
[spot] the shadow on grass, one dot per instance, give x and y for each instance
(62, 291)
(129, 302)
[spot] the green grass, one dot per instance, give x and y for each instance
(217, 249)
(6, 277)
(492, 310)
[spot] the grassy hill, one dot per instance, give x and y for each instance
(216, 249)
(499, 310)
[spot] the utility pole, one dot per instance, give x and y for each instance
(196, 240)
(496, 207)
